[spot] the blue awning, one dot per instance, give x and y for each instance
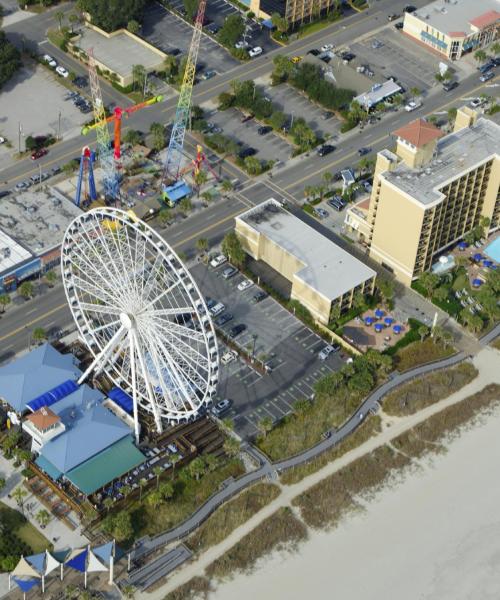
(122, 399)
(26, 584)
(58, 393)
(268, 23)
(52, 471)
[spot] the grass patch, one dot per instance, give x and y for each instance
(419, 353)
(231, 515)
(427, 390)
(281, 531)
(197, 587)
(365, 431)
(28, 534)
(496, 343)
(330, 500)
(189, 494)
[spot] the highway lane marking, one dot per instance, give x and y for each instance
(31, 311)
(33, 321)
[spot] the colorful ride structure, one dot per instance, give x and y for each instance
(86, 178)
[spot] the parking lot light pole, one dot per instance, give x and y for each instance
(20, 130)
(254, 337)
(59, 126)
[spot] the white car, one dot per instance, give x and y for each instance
(2, 140)
(218, 260)
(228, 357)
(49, 60)
(245, 284)
(257, 51)
(326, 47)
(327, 350)
(477, 102)
(241, 45)
(411, 106)
(62, 72)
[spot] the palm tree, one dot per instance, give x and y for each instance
(108, 503)
(43, 517)
(174, 459)
(327, 178)
(4, 301)
(197, 467)
(51, 278)
(414, 91)
(157, 471)
(202, 245)
(480, 56)
(39, 335)
(126, 491)
(167, 490)
(19, 494)
(73, 19)
(212, 462)
(227, 186)
(231, 447)
(154, 499)
(59, 17)
(423, 330)
(265, 425)
(2, 483)
(495, 48)
(128, 591)
(142, 483)
(26, 290)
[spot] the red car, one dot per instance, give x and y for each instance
(39, 153)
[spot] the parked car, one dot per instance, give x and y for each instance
(221, 407)
(413, 105)
(228, 357)
(80, 82)
(210, 302)
(218, 260)
(264, 129)
(247, 152)
(325, 149)
(39, 153)
(296, 59)
(487, 66)
(246, 118)
(487, 76)
(399, 25)
(218, 309)
(409, 8)
(327, 350)
(229, 272)
(364, 150)
(49, 60)
(326, 48)
(313, 52)
(4, 193)
(376, 44)
(209, 74)
(244, 285)
(241, 45)
(259, 296)
(321, 213)
(257, 51)
(223, 319)
(55, 170)
(450, 85)
(237, 330)
(213, 29)
(336, 203)
(347, 56)
(477, 102)
(392, 16)
(62, 72)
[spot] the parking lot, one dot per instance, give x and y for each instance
(167, 31)
(289, 347)
(398, 56)
(289, 101)
(269, 146)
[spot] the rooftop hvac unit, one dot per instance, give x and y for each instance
(6, 252)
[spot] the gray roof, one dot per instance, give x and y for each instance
(328, 269)
(378, 93)
(456, 15)
(35, 373)
(456, 154)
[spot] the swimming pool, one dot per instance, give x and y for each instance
(493, 250)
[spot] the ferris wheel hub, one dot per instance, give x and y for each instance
(127, 321)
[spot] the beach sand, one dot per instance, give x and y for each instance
(435, 535)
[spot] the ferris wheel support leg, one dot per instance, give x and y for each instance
(134, 388)
(151, 396)
(102, 356)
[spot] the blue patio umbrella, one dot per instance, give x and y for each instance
(487, 263)
(388, 320)
(477, 257)
(368, 321)
(463, 245)
(477, 282)
(378, 327)
(379, 313)
(397, 329)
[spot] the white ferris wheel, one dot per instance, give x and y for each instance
(141, 315)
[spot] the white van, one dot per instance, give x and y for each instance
(217, 309)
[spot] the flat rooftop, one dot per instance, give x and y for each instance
(119, 52)
(457, 153)
(378, 93)
(459, 16)
(328, 269)
(34, 222)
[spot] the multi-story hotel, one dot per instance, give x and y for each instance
(429, 193)
(454, 27)
(295, 11)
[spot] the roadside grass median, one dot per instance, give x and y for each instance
(231, 515)
(420, 353)
(281, 531)
(429, 389)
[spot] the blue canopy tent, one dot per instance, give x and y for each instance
(463, 245)
(487, 263)
(477, 282)
(388, 320)
(379, 313)
(477, 257)
(397, 329)
(26, 583)
(369, 321)
(378, 327)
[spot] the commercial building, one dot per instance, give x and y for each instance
(32, 226)
(454, 27)
(295, 11)
(430, 192)
(378, 93)
(321, 273)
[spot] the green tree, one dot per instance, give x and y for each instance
(157, 471)
(142, 484)
(5, 300)
(129, 591)
(415, 91)
(440, 294)
(171, 65)
(51, 278)
(157, 130)
(10, 59)
(232, 30)
(327, 179)
(283, 68)
(303, 136)
(495, 48)
(167, 490)
(335, 313)
(429, 281)
(265, 425)
(154, 499)
(232, 248)
(277, 120)
(197, 468)
(43, 517)
(126, 490)
(480, 56)
(423, 331)
(19, 495)
(225, 100)
(26, 290)
(202, 245)
(113, 14)
(253, 165)
(231, 447)
(301, 407)
(191, 7)
(108, 503)
(133, 137)
(386, 289)
(2, 483)
(133, 26)
(123, 529)
(212, 462)
(139, 76)
(59, 16)
(227, 186)
(281, 23)
(39, 335)
(174, 459)
(185, 205)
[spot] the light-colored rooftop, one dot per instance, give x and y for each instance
(119, 52)
(456, 154)
(459, 16)
(328, 269)
(31, 223)
(378, 93)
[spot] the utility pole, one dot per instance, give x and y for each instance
(19, 129)
(40, 170)
(59, 126)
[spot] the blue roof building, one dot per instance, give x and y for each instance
(33, 374)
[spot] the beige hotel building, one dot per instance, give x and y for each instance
(429, 193)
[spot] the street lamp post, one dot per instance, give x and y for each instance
(19, 130)
(59, 126)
